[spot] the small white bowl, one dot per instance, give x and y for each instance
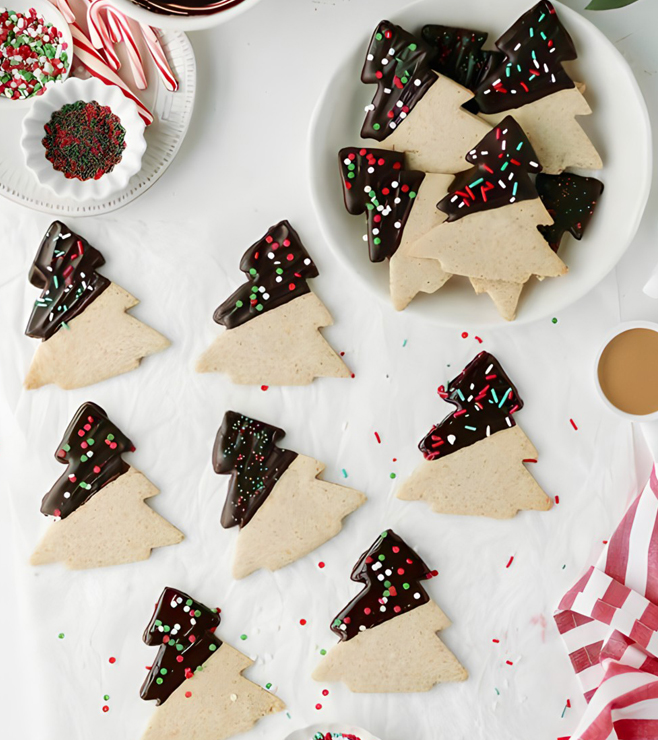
(51, 15)
(69, 92)
(308, 732)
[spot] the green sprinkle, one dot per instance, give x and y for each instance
(252, 271)
(392, 475)
(110, 437)
(378, 36)
(412, 47)
(243, 637)
(268, 685)
(381, 557)
(239, 304)
(61, 635)
(212, 647)
(106, 697)
(323, 651)
(498, 692)
(159, 681)
(406, 586)
(376, 126)
(412, 194)
(554, 320)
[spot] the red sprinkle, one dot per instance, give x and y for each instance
(264, 387)
(321, 564)
(464, 335)
(557, 499)
(113, 660)
(495, 640)
(530, 460)
(378, 438)
(302, 622)
(510, 561)
(106, 708)
(478, 340)
(325, 692)
(188, 694)
(509, 662)
(318, 706)
(573, 424)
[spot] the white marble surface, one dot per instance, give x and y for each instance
(242, 168)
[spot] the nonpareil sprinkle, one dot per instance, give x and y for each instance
(84, 140)
(32, 54)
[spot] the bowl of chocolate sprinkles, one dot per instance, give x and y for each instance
(83, 139)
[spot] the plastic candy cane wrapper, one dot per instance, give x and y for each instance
(609, 624)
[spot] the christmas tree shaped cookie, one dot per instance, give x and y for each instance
(493, 213)
(532, 83)
(388, 632)
(272, 320)
(273, 496)
(400, 206)
(414, 110)
(100, 501)
(474, 459)
(570, 200)
(196, 679)
(81, 318)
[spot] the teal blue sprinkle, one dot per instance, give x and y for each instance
(477, 182)
(504, 398)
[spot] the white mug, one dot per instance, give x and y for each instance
(648, 422)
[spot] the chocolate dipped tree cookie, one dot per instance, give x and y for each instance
(100, 500)
(196, 679)
(414, 110)
(272, 320)
(274, 497)
(81, 318)
(475, 458)
(388, 641)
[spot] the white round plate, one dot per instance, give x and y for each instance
(308, 732)
(619, 127)
(183, 22)
(172, 111)
(53, 100)
(51, 15)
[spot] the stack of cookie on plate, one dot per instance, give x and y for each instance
(466, 176)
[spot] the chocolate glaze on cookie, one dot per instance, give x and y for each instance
(570, 200)
(485, 399)
(277, 267)
(534, 47)
(184, 630)
(246, 449)
(361, 169)
(399, 64)
(384, 190)
(502, 163)
(65, 270)
(458, 54)
(391, 572)
(91, 448)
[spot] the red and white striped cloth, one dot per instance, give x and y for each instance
(609, 624)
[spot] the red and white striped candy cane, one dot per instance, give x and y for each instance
(98, 67)
(157, 53)
(121, 25)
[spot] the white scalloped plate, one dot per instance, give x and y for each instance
(619, 128)
(172, 111)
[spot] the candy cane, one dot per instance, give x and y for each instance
(64, 9)
(158, 55)
(119, 30)
(98, 67)
(126, 34)
(100, 36)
